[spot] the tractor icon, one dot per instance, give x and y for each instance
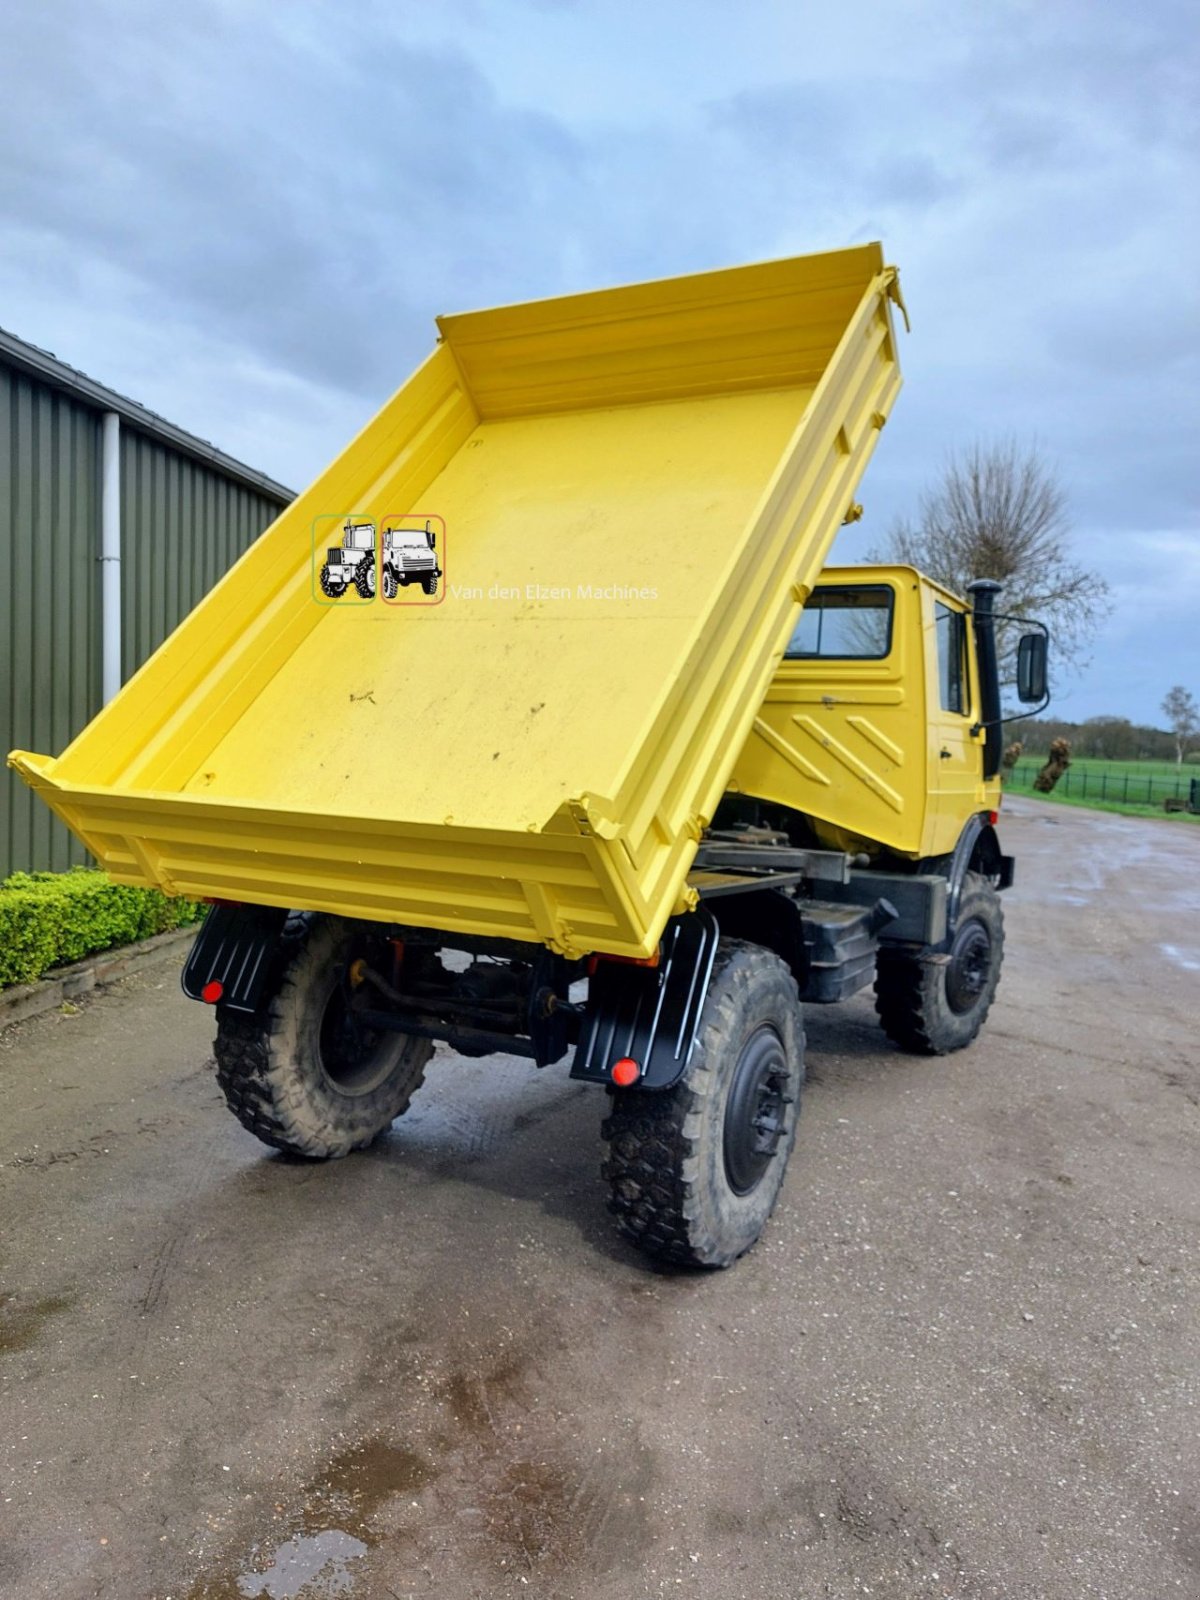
(353, 562)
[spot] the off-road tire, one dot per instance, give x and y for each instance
(667, 1162)
(429, 585)
(287, 1073)
(930, 1007)
(328, 587)
(389, 584)
(364, 580)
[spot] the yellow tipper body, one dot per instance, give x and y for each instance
(638, 489)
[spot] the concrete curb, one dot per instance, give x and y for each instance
(94, 972)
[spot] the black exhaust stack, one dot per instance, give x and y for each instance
(983, 594)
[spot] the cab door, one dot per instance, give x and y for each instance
(955, 753)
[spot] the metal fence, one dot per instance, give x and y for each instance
(1127, 784)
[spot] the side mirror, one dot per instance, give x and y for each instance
(431, 538)
(1032, 657)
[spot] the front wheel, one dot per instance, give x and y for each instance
(329, 585)
(429, 584)
(930, 1006)
(389, 584)
(695, 1170)
(304, 1074)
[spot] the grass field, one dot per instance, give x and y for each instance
(1143, 769)
(1132, 788)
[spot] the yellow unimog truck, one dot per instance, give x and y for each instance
(657, 779)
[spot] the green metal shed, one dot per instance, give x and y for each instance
(96, 493)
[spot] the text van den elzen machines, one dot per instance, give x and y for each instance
(551, 591)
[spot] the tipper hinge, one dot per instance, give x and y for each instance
(891, 287)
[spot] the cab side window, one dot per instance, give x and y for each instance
(951, 652)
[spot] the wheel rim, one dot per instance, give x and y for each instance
(352, 1057)
(969, 967)
(756, 1110)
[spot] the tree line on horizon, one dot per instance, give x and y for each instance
(1096, 738)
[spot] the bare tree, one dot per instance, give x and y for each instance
(999, 511)
(1183, 718)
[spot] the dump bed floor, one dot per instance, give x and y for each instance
(636, 490)
(557, 693)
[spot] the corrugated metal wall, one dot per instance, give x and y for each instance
(183, 524)
(50, 609)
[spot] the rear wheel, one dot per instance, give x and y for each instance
(304, 1074)
(364, 579)
(933, 1005)
(695, 1171)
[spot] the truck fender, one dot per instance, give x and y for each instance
(649, 1014)
(977, 850)
(233, 958)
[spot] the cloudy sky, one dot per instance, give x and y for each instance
(246, 214)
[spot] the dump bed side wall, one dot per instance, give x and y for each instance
(175, 708)
(773, 325)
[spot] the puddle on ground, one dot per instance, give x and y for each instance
(1188, 959)
(20, 1325)
(533, 1513)
(318, 1561)
(333, 1527)
(366, 1476)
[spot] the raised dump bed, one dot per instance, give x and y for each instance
(635, 491)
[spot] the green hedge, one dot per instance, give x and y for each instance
(48, 919)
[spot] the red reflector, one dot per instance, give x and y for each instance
(993, 817)
(212, 992)
(625, 1071)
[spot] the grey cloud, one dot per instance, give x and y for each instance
(307, 204)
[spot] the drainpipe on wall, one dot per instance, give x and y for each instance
(110, 556)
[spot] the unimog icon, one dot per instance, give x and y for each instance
(410, 556)
(351, 562)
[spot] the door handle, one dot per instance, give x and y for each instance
(945, 755)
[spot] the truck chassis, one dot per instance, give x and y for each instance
(325, 1024)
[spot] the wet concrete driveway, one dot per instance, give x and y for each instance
(964, 1361)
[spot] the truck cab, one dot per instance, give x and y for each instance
(875, 726)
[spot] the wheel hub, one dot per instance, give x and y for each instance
(756, 1110)
(969, 967)
(349, 1051)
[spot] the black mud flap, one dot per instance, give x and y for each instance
(649, 1014)
(234, 948)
